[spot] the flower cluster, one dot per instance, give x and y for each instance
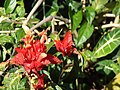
(33, 56)
(65, 45)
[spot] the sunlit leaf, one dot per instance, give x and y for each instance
(84, 33)
(49, 45)
(12, 81)
(6, 26)
(5, 39)
(99, 4)
(107, 44)
(77, 18)
(104, 66)
(90, 14)
(20, 34)
(54, 9)
(116, 68)
(20, 11)
(9, 6)
(114, 83)
(53, 87)
(21, 85)
(116, 9)
(4, 53)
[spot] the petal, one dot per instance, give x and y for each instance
(53, 59)
(40, 83)
(59, 46)
(39, 47)
(67, 39)
(18, 59)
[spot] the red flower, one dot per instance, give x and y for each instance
(40, 82)
(33, 58)
(65, 45)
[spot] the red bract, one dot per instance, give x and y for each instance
(40, 82)
(33, 58)
(65, 45)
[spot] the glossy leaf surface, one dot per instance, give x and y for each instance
(77, 18)
(84, 33)
(9, 6)
(107, 43)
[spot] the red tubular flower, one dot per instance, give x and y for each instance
(33, 58)
(40, 82)
(65, 45)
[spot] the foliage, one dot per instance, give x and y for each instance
(65, 45)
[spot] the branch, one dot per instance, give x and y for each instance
(49, 18)
(16, 22)
(33, 10)
(110, 25)
(7, 31)
(13, 21)
(109, 15)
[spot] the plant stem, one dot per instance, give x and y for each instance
(47, 19)
(7, 31)
(43, 9)
(33, 10)
(110, 25)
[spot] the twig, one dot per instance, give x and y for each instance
(64, 68)
(53, 27)
(7, 31)
(62, 19)
(49, 18)
(16, 22)
(109, 15)
(12, 21)
(110, 25)
(43, 9)
(33, 10)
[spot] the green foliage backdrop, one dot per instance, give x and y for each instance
(95, 28)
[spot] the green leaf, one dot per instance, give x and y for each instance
(5, 39)
(99, 4)
(9, 6)
(116, 9)
(4, 53)
(21, 85)
(74, 5)
(77, 18)
(49, 46)
(105, 65)
(116, 68)
(20, 34)
(53, 86)
(54, 9)
(47, 73)
(114, 83)
(6, 26)
(107, 44)
(84, 33)
(2, 11)
(11, 81)
(20, 11)
(90, 14)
